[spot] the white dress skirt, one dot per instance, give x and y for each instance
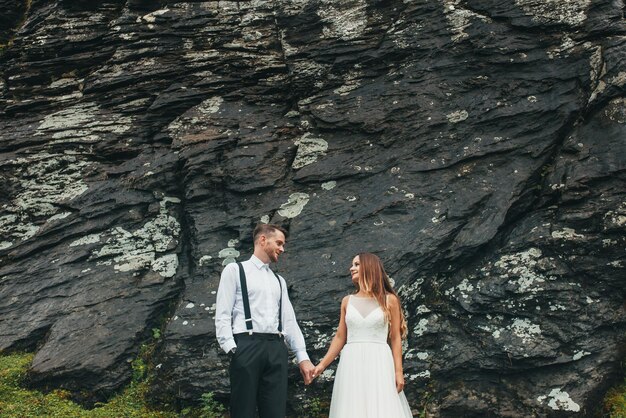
(365, 382)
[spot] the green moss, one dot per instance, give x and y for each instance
(615, 402)
(18, 402)
(314, 407)
(210, 407)
(15, 401)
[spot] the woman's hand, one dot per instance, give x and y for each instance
(317, 371)
(399, 381)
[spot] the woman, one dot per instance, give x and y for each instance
(369, 379)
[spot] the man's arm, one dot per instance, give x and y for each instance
(226, 293)
(294, 337)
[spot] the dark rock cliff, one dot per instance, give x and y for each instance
(477, 146)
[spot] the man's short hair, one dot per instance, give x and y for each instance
(267, 229)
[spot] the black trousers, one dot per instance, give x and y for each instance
(258, 376)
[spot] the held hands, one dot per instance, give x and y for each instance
(399, 381)
(306, 370)
(317, 371)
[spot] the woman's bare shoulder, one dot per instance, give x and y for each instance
(393, 300)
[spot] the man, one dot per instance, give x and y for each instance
(254, 336)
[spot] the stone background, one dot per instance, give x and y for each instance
(477, 146)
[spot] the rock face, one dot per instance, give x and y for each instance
(477, 146)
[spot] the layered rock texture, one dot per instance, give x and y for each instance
(477, 146)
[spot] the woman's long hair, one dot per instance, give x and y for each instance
(373, 280)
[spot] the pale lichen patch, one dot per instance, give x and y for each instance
(424, 375)
(410, 292)
(522, 266)
(229, 255)
(615, 219)
(344, 20)
(309, 150)
(329, 185)
(597, 71)
(46, 181)
(420, 328)
(618, 80)
(138, 250)
(89, 239)
(293, 207)
(458, 116)
(422, 309)
(151, 17)
(327, 375)
(59, 216)
(352, 81)
(83, 123)
(210, 106)
(464, 288)
(566, 233)
(616, 110)
(459, 18)
(322, 341)
(559, 401)
(524, 329)
(166, 265)
(566, 46)
(568, 12)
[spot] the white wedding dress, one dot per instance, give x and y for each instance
(365, 382)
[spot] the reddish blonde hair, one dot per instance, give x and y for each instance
(373, 280)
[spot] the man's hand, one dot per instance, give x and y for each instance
(306, 370)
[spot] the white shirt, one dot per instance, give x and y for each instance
(264, 297)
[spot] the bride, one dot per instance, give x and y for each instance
(369, 379)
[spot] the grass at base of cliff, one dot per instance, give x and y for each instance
(615, 401)
(15, 401)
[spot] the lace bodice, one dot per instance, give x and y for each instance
(365, 321)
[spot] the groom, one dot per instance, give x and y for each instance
(253, 320)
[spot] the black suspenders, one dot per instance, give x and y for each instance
(280, 305)
(244, 295)
(246, 302)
